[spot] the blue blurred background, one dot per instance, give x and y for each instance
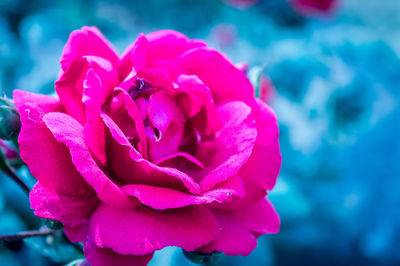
(336, 83)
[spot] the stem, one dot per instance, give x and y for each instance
(10, 172)
(25, 234)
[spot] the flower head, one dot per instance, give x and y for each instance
(165, 145)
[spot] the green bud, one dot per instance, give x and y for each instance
(10, 123)
(200, 257)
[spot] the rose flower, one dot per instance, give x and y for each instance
(165, 145)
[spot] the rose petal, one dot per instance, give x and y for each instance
(226, 82)
(176, 158)
(125, 160)
(239, 228)
(236, 140)
(169, 67)
(253, 193)
(161, 198)
(232, 239)
(70, 85)
(105, 256)
(95, 95)
(163, 111)
(72, 210)
(48, 160)
(87, 41)
(264, 164)
(260, 217)
(134, 57)
(157, 78)
(167, 118)
(168, 44)
(199, 99)
(68, 131)
(142, 230)
(129, 106)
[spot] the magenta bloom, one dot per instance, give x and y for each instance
(162, 146)
(313, 7)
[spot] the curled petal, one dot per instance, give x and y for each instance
(71, 84)
(126, 104)
(161, 198)
(236, 140)
(163, 111)
(180, 158)
(198, 100)
(95, 94)
(125, 160)
(69, 132)
(157, 78)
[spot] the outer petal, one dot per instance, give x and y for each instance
(142, 230)
(168, 44)
(233, 240)
(260, 217)
(98, 256)
(69, 132)
(72, 210)
(263, 167)
(226, 82)
(161, 198)
(253, 193)
(236, 140)
(48, 160)
(87, 41)
(239, 228)
(82, 44)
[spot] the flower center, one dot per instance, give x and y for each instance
(139, 86)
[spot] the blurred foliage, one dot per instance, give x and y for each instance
(336, 96)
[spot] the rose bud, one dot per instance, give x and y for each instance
(165, 145)
(10, 123)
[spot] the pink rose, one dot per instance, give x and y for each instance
(162, 146)
(313, 7)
